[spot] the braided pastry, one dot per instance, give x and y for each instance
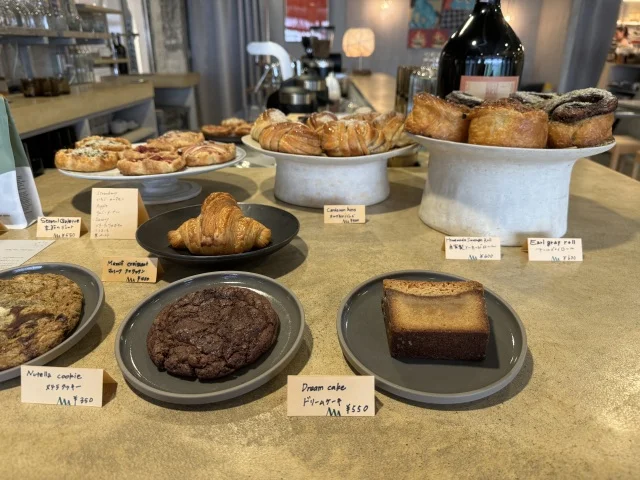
(220, 229)
(582, 118)
(290, 137)
(352, 138)
(266, 118)
(317, 120)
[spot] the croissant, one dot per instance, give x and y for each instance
(352, 138)
(290, 138)
(392, 127)
(220, 229)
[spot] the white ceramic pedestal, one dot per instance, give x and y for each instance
(315, 181)
(511, 193)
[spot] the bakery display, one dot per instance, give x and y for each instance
(436, 118)
(220, 229)
(582, 118)
(352, 138)
(316, 120)
(508, 123)
(37, 313)
(269, 117)
(212, 332)
(208, 153)
(290, 137)
(435, 320)
(175, 139)
(151, 163)
(229, 127)
(85, 159)
(108, 144)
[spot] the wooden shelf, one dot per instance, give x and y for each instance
(39, 32)
(139, 134)
(110, 61)
(84, 7)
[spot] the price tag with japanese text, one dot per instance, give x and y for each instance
(116, 213)
(59, 227)
(331, 396)
(69, 387)
(472, 248)
(344, 214)
(130, 269)
(554, 249)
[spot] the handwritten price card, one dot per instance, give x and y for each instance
(331, 396)
(130, 269)
(116, 213)
(472, 248)
(59, 227)
(70, 387)
(554, 249)
(344, 214)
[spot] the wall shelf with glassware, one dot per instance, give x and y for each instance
(18, 32)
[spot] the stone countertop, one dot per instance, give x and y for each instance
(159, 80)
(36, 114)
(573, 411)
(378, 88)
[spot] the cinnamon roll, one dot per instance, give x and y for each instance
(535, 99)
(508, 123)
(290, 137)
(462, 98)
(269, 117)
(582, 118)
(318, 119)
(436, 118)
(350, 138)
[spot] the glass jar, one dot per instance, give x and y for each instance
(424, 79)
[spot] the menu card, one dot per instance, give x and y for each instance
(59, 227)
(554, 249)
(70, 387)
(331, 396)
(14, 253)
(130, 269)
(472, 248)
(116, 213)
(344, 214)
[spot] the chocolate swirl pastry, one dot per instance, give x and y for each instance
(582, 118)
(535, 99)
(211, 333)
(462, 98)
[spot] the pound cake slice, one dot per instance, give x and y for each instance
(435, 320)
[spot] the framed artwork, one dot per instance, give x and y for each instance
(432, 22)
(300, 15)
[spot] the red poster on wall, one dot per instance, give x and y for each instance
(300, 15)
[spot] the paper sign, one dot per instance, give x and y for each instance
(14, 253)
(70, 387)
(472, 248)
(331, 396)
(116, 213)
(130, 269)
(59, 227)
(344, 214)
(554, 249)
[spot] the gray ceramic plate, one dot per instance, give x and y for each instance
(144, 376)
(93, 300)
(364, 343)
(152, 234)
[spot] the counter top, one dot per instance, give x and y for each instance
(573, 411)
(33, 115)
(159, 80)
(378, 88)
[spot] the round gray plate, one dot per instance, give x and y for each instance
(144, 376)
(93, 300)
(364, 343)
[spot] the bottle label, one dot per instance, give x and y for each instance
(489, 88)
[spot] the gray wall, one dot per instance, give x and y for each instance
(552, 36)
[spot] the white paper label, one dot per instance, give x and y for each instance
(344, 214)
(14, 253)
(331, 396)
(58, 227)
(554, 249)
(472, 248)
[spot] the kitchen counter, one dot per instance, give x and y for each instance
(39, 114)
(379, 89)
(159, 80)
(572, 412)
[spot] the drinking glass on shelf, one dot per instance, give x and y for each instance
(24, 13)
(424, 79)
(9, 17)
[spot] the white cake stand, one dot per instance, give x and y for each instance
(162, 188)
(511, 193)
(315, 181)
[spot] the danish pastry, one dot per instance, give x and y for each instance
(208, 153)
(266, 118)
(348, 138)
(242, 129)
(290, 137)
(140, 151)
(176, 139)
(217, 130)
(108, 144)
(582, 118)
(436, 118)
(85, 159)
(151, 164)
(508, 123)
(392, 127)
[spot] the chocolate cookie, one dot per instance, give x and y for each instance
(212, 332)
(37, 312)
